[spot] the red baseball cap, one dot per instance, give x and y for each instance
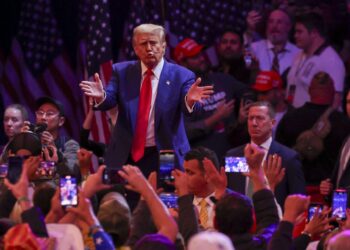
(267, 80)
(187, 48)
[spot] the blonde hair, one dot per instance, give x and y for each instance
(149, 28)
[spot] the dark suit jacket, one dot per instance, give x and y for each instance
(344, 181)
(292, 183)
(124, 90)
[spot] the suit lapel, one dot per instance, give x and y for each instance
(133, 91)
(274, 149)
(163, 92)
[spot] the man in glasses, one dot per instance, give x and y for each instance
(51, 113)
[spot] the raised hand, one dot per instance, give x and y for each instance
(50, 153)
(253, 18)
(56, 211)
(273, 170)
(326, 187)
(224, 109)
(255, 156)
(84, 158)
(197, 93)
(93, 89)
(181, 182)
(47, 138)
(294, 206)
(84, 210)
(319, 222)
(136, 180)
(94, 183)
(215, 178)
(243, 112)
(20, 190)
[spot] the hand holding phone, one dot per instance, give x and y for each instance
(46, 170)
(166, 166)
(110, 176)
(68, 191)
(3, 170)
(14, 168)
(169, 199)
(339, 204)
(312, 210)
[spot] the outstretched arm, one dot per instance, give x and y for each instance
(93, 89)
(161, 216)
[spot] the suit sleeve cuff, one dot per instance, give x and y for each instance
(189, 109)
(96, 104)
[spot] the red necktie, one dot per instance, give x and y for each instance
(139, 140)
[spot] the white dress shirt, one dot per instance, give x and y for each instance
(210, 208)
(150, 135)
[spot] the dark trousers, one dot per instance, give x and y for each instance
(148, 163)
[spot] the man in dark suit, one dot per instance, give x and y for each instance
(260, 123)
(151, 95)
(341, 174)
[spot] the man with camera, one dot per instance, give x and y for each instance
(50, 118)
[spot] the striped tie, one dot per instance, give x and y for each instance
(275, 62)
(203, 213)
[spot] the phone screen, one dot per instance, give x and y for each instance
(169, 199)
(248, 98)
(68, 191)
(312, 209)
(14, 168)
(46, 170)
(236, 165)
(3, 170)
(339, 203)
(166, 166)
(111, 176)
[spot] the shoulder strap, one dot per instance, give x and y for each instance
(322, 126)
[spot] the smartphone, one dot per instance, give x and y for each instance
(339, 204)
(3, 170)
(236, 165)
(68, 191)
(248, 98)
(46, 170)
(312, 209)
(14, 168)
(169, 199)
(110, 176)
(166, 166)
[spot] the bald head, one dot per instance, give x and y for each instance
(278, 27)
(340, 241)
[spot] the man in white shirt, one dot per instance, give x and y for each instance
(276, 52)
(316, 56)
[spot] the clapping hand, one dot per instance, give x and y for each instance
(197, 93)
(93, 89)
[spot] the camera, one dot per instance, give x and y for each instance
(37, 128)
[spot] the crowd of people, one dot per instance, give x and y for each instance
(270, 104)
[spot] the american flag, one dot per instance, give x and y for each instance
(96, 55)
(202, 20)
(37, 65)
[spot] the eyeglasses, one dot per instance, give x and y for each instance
(48, 114)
